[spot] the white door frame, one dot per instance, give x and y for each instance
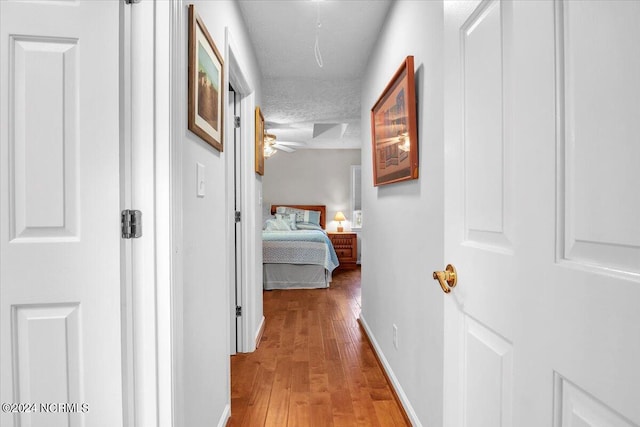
(170, 125)
(126, 257)
(144, 278)
(166, 169)
(235, 288)
(234, 72)
(148, 277)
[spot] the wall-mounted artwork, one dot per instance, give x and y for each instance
(259, 142)
(394, 132)
(205, 83)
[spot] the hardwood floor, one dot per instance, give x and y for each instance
(314, 365)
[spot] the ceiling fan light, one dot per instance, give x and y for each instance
(269, 141)
(269, 152)
(269, 138)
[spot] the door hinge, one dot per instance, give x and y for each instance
(238, 311)
(236, 121)
(237, 216)
(131, 1)
(131, 221)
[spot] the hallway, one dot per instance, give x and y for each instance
(314, 365)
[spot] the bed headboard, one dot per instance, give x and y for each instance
(321, 208)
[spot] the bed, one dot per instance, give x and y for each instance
(296, 251)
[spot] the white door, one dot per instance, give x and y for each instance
(60, 313)
(236, 290)
(542, 152)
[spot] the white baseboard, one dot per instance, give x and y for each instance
(259, 333)
(226, 414)
(404, 400)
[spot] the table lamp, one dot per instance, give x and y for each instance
(340, 217)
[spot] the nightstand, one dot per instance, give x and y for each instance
(346, 246)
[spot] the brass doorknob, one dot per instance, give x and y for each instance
(448, 278)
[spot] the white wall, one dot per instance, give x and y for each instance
(397, 287)
(311, 177)
(203, 325)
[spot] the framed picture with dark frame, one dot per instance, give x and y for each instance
(205, 83)
(259, 142)
(394, 132)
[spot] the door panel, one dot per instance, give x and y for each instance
(542, 327)
(597, 266)
(599, 125)
(60, 306)
(488, 376)
(576, 408)
(486, 185)
(46, 342)
(44, 85)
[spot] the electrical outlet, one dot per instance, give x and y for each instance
(395, 336)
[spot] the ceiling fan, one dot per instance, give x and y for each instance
(314, 135)
(272, 145)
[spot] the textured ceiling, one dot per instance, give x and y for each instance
(297, 93)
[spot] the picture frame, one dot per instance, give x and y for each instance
(259, 142)
(206, 84)
(394, 132)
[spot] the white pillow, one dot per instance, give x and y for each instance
(276, 225)
(289, 219)
(301, 214)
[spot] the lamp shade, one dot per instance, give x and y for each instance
(339, 217)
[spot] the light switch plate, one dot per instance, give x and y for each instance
(200, 180)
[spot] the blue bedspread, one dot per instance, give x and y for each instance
(299, 247)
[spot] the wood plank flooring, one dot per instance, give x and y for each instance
(314, 365)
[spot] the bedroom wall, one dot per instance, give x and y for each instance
(403, 239)
(204, 364)
(311, 177)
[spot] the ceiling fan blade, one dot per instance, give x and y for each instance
(283, 148)
(292, 143)
(275, 125)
